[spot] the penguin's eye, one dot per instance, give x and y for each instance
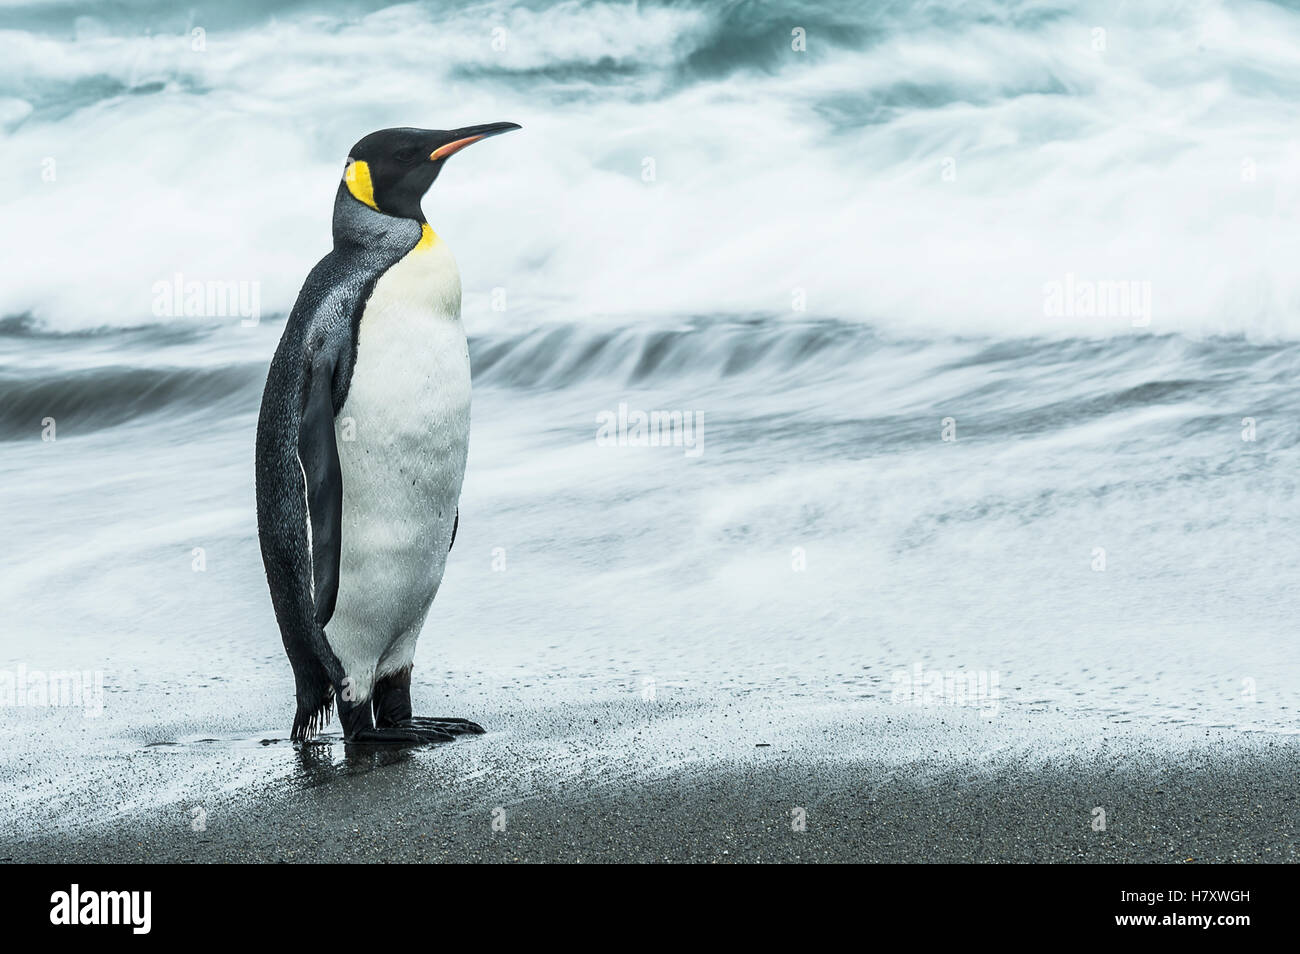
(405, 155)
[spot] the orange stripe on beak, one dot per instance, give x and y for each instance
(451, 148)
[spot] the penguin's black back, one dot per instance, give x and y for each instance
(324, 319)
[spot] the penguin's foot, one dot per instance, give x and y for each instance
(359, 727)
(391, 699)
(444, 724)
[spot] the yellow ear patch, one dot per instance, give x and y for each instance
(427, 237)
(357, 177)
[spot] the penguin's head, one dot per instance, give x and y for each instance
(390, 170)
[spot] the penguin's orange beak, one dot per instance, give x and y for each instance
(442, 152)
(458, 139)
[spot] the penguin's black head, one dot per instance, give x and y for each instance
(390, 170)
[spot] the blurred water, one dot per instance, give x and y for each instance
(919, 165)
(821, 444)
(828, 537)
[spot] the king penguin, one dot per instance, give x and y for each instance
(361, 445)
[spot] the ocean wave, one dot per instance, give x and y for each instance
(928, 167)
(874, 385)
(557, 357)
(27, 327)
(88, 400)
(878, 390)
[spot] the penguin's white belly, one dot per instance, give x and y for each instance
(403, 434)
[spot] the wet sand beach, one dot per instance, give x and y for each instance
(637, 782)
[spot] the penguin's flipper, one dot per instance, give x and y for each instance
(319, 455)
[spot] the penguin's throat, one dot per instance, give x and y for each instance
(359, 184)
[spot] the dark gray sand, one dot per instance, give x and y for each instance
(1214, 797)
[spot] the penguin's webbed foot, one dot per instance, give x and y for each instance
(400, 735)
(359, 727)
(391, 699)
(444, 724)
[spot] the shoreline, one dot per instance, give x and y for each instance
(1231, 798)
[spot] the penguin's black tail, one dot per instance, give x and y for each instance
(315, 711)
(312, 688)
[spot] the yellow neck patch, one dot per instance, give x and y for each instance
(427, 237)
(357, 178)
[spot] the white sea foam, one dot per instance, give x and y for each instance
(931, 171)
